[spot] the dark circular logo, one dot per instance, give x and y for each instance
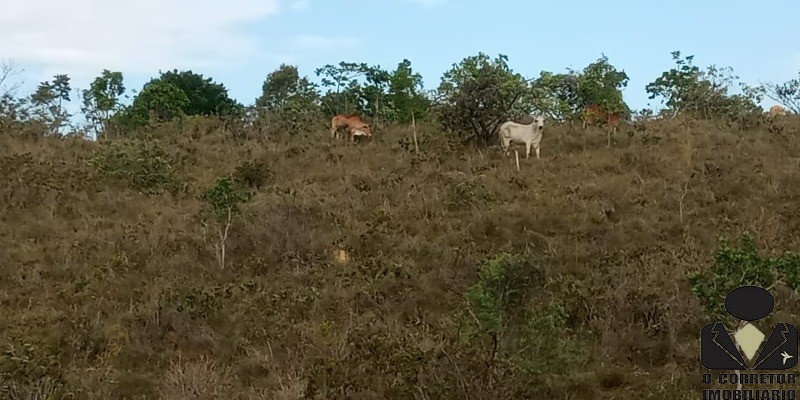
(749, 303)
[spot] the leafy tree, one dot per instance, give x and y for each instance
(174, 94)
(291, 99)
(557, 94)
(405, 94)
(499, 306)
(13, 110)
(372, 91)
(564, 96)
(787, 93)
(48, 101)
(601, 83)
(205, 96)
(284, 88)
(223, 201)
(344, 91)
(159, 101)
(479, 93)
(102, 100)
(686, 89)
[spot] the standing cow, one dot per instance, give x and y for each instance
(595, 115)
(528, 134)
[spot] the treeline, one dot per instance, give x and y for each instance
(472, 97)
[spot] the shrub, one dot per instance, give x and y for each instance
(734, 267)
(142, 165)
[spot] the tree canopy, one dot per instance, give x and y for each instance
(472, 98)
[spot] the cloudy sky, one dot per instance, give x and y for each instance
(237, 42)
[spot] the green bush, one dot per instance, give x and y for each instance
(537, 341)
(734, 267)
(142, 165)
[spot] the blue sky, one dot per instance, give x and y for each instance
(239, 43)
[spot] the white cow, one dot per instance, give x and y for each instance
(530, 135)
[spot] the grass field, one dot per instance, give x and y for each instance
(110, 288)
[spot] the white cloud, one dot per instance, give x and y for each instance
(81, 37)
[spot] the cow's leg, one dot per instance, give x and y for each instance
(528, 150)
(334, 131)
(537, 151)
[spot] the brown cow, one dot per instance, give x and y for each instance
(594, 115)
(355, 126)
(776, 110)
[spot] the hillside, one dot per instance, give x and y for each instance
(110, 287)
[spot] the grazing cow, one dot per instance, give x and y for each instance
(529, 134)
(776, 110)
(355, 126)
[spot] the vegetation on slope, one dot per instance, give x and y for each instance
(201, 248)
(466, 278)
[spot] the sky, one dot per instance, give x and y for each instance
(238, 42)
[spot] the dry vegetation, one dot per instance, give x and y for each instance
(110, 288)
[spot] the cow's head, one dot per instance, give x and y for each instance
(539, 120)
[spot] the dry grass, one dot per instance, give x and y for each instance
(108, 292)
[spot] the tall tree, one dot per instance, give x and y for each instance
(479, 93)
(284, 88)
(686, 89)
(205, 96)
(102, 100)
(601, 83)
(48, 102)
(405, 95)
(291, 99)
(343, 88)
(159, 101)
(557, 94)
(175, 94)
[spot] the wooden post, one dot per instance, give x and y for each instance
(414, 129)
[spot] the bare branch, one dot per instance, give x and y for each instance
(787, 94)
(8, 69)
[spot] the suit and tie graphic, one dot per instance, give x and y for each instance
(718, 350)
